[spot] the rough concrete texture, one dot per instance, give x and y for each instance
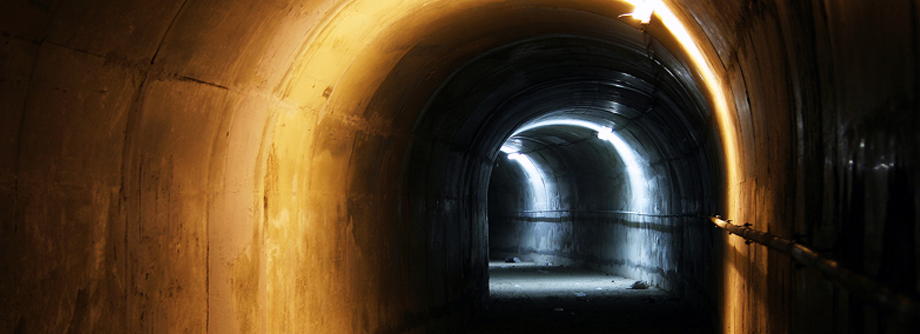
(323, 166)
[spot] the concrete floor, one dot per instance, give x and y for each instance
(538, 298)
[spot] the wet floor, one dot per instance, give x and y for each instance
(535, 298)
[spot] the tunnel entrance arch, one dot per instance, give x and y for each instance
(453, 97)
(586, 103)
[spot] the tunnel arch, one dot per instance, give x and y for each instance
(245, 166)
(486, 101)
(439, 197)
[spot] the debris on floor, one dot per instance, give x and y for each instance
(639, 285)
(514, 259)
(567, 300)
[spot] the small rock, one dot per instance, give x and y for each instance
(513, 260)
(639, 285)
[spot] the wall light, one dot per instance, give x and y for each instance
(642, 12)
(605, 134)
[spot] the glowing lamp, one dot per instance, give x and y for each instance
(508, 149)
(605, 133)
(642, 12)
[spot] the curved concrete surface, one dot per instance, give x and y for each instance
(325, 166)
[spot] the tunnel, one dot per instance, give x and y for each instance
(353, 166)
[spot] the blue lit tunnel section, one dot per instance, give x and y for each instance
(544, 201)
(611, 170)
(571, 188)
(635, 166)
(607, 158)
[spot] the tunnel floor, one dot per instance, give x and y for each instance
(538, 298)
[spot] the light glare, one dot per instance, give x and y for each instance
(539, 186)
(638, 183)
(642, 12)
(605, 134)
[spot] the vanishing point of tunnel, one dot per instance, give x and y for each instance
(454, 166)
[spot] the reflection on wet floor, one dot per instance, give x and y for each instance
(540, 298)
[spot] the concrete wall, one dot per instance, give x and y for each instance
(825, 94)
(271, 166)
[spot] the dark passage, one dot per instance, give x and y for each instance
(604, 165)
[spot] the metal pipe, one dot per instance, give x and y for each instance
(905, 309)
